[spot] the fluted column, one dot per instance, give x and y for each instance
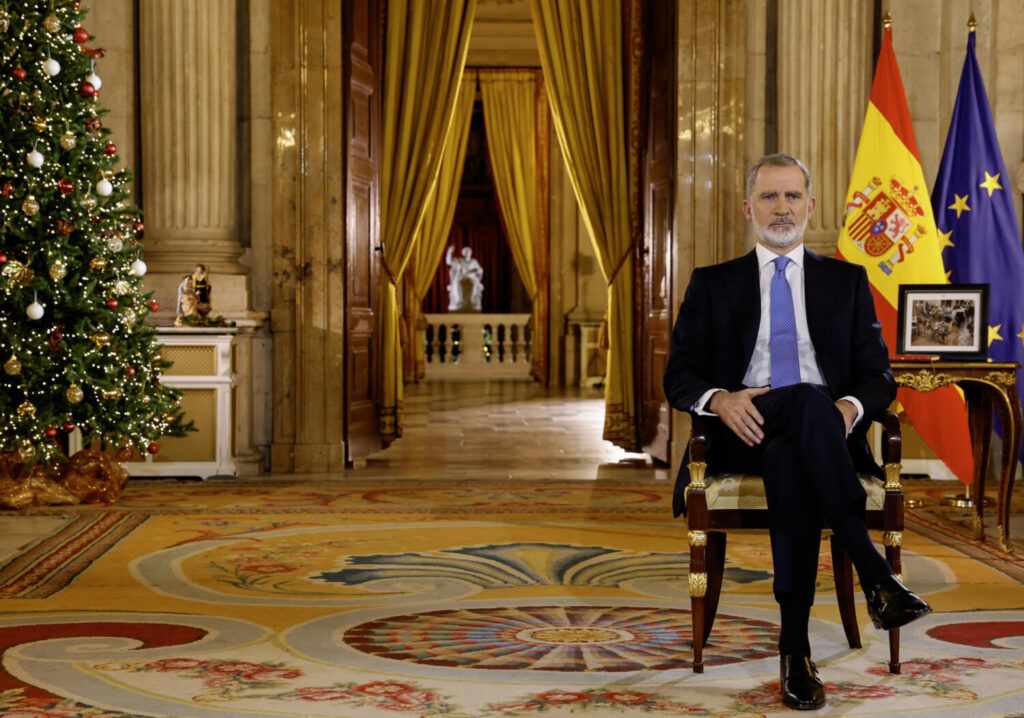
(824, 81)
(189, 110)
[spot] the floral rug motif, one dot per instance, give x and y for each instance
(373, 599)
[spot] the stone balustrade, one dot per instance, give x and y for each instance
(467, 346)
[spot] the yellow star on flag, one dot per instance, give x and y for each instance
(944, 239)
(993, 333)
(949, 274)
(960, 205)
(991, 184)
(1021, 335)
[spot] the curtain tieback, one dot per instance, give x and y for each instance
(389, 274)
(622, 260)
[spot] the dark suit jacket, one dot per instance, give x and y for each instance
(716, 329)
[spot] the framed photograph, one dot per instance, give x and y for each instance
(945, 320)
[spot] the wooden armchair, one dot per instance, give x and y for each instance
(717, 503)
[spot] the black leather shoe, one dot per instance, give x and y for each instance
(891, 604)
(801, 688)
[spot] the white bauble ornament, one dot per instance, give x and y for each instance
(104, 188)
(34, 310)
(95, 81)
(51, 67)
(139, 268)
(114, 244)
(35, 158)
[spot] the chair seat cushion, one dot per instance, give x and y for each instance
(746, 491)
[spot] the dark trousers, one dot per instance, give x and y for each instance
(809, 479)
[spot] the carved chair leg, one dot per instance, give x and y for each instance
(715, 560)
(893, 541)
(698, 581)
(842, 570)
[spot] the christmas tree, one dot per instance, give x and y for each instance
(74, 344)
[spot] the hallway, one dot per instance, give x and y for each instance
(504, 429)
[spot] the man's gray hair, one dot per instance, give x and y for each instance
(778, 160)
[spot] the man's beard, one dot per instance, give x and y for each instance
(781, 236)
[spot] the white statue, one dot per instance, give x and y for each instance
(465, 281)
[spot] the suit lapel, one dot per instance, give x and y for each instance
(815, 295)
(747, 306)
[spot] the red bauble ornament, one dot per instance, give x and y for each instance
(153, 448)
(110, 149)
(112, 303)
(80, 35)
(19, 73)
(3, 258)
(65, 186)
(86, 89)
(130, 371)
(65, 227)
(50, 432)
(138, 226)
(154, 307)
(68, 426)
(6, 191)
(93, 124)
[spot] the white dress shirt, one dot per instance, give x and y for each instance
(759, 370)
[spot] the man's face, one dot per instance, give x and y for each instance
(779, 207)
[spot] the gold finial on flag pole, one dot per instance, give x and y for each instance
(972, 24)
(887, 20)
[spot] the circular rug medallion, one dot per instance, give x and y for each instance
(560, 638)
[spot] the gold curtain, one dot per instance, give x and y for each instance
(426, 45)
(581, 51)
(510, 99)
(437, 223)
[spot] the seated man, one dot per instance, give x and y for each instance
(784, 347)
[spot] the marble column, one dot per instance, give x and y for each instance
(824, 81)
(188, 82)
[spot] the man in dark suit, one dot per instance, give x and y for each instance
(784, 347)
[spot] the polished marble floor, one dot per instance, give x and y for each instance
(505, 429)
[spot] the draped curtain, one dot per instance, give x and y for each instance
(510, 99)
(581, 50)
(426, 45)
(437, 222)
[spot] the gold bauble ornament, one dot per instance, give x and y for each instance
(51, 23)
(68, 140)
(98, 264)
(58, 270)
(110, 394)
(30, 206)
(12, 366)
(100, 339)
(121, 287)
(26, 452)
(129, 317)
(40, 124)
(26, 409)
(88, 202)
(74, 393)
(18, 273)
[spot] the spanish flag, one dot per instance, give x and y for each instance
(889, 228)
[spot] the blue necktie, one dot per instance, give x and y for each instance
(785, 357)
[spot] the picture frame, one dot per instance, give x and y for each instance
(948, 321)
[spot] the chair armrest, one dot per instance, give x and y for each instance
(698, 437)
(892, 438)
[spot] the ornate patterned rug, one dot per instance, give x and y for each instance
(466, 599)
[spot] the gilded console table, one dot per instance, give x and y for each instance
(986, 386)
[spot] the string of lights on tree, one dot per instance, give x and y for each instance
(74, 344)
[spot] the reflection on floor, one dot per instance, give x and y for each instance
(505, 429)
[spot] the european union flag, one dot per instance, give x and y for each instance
(975, 215)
